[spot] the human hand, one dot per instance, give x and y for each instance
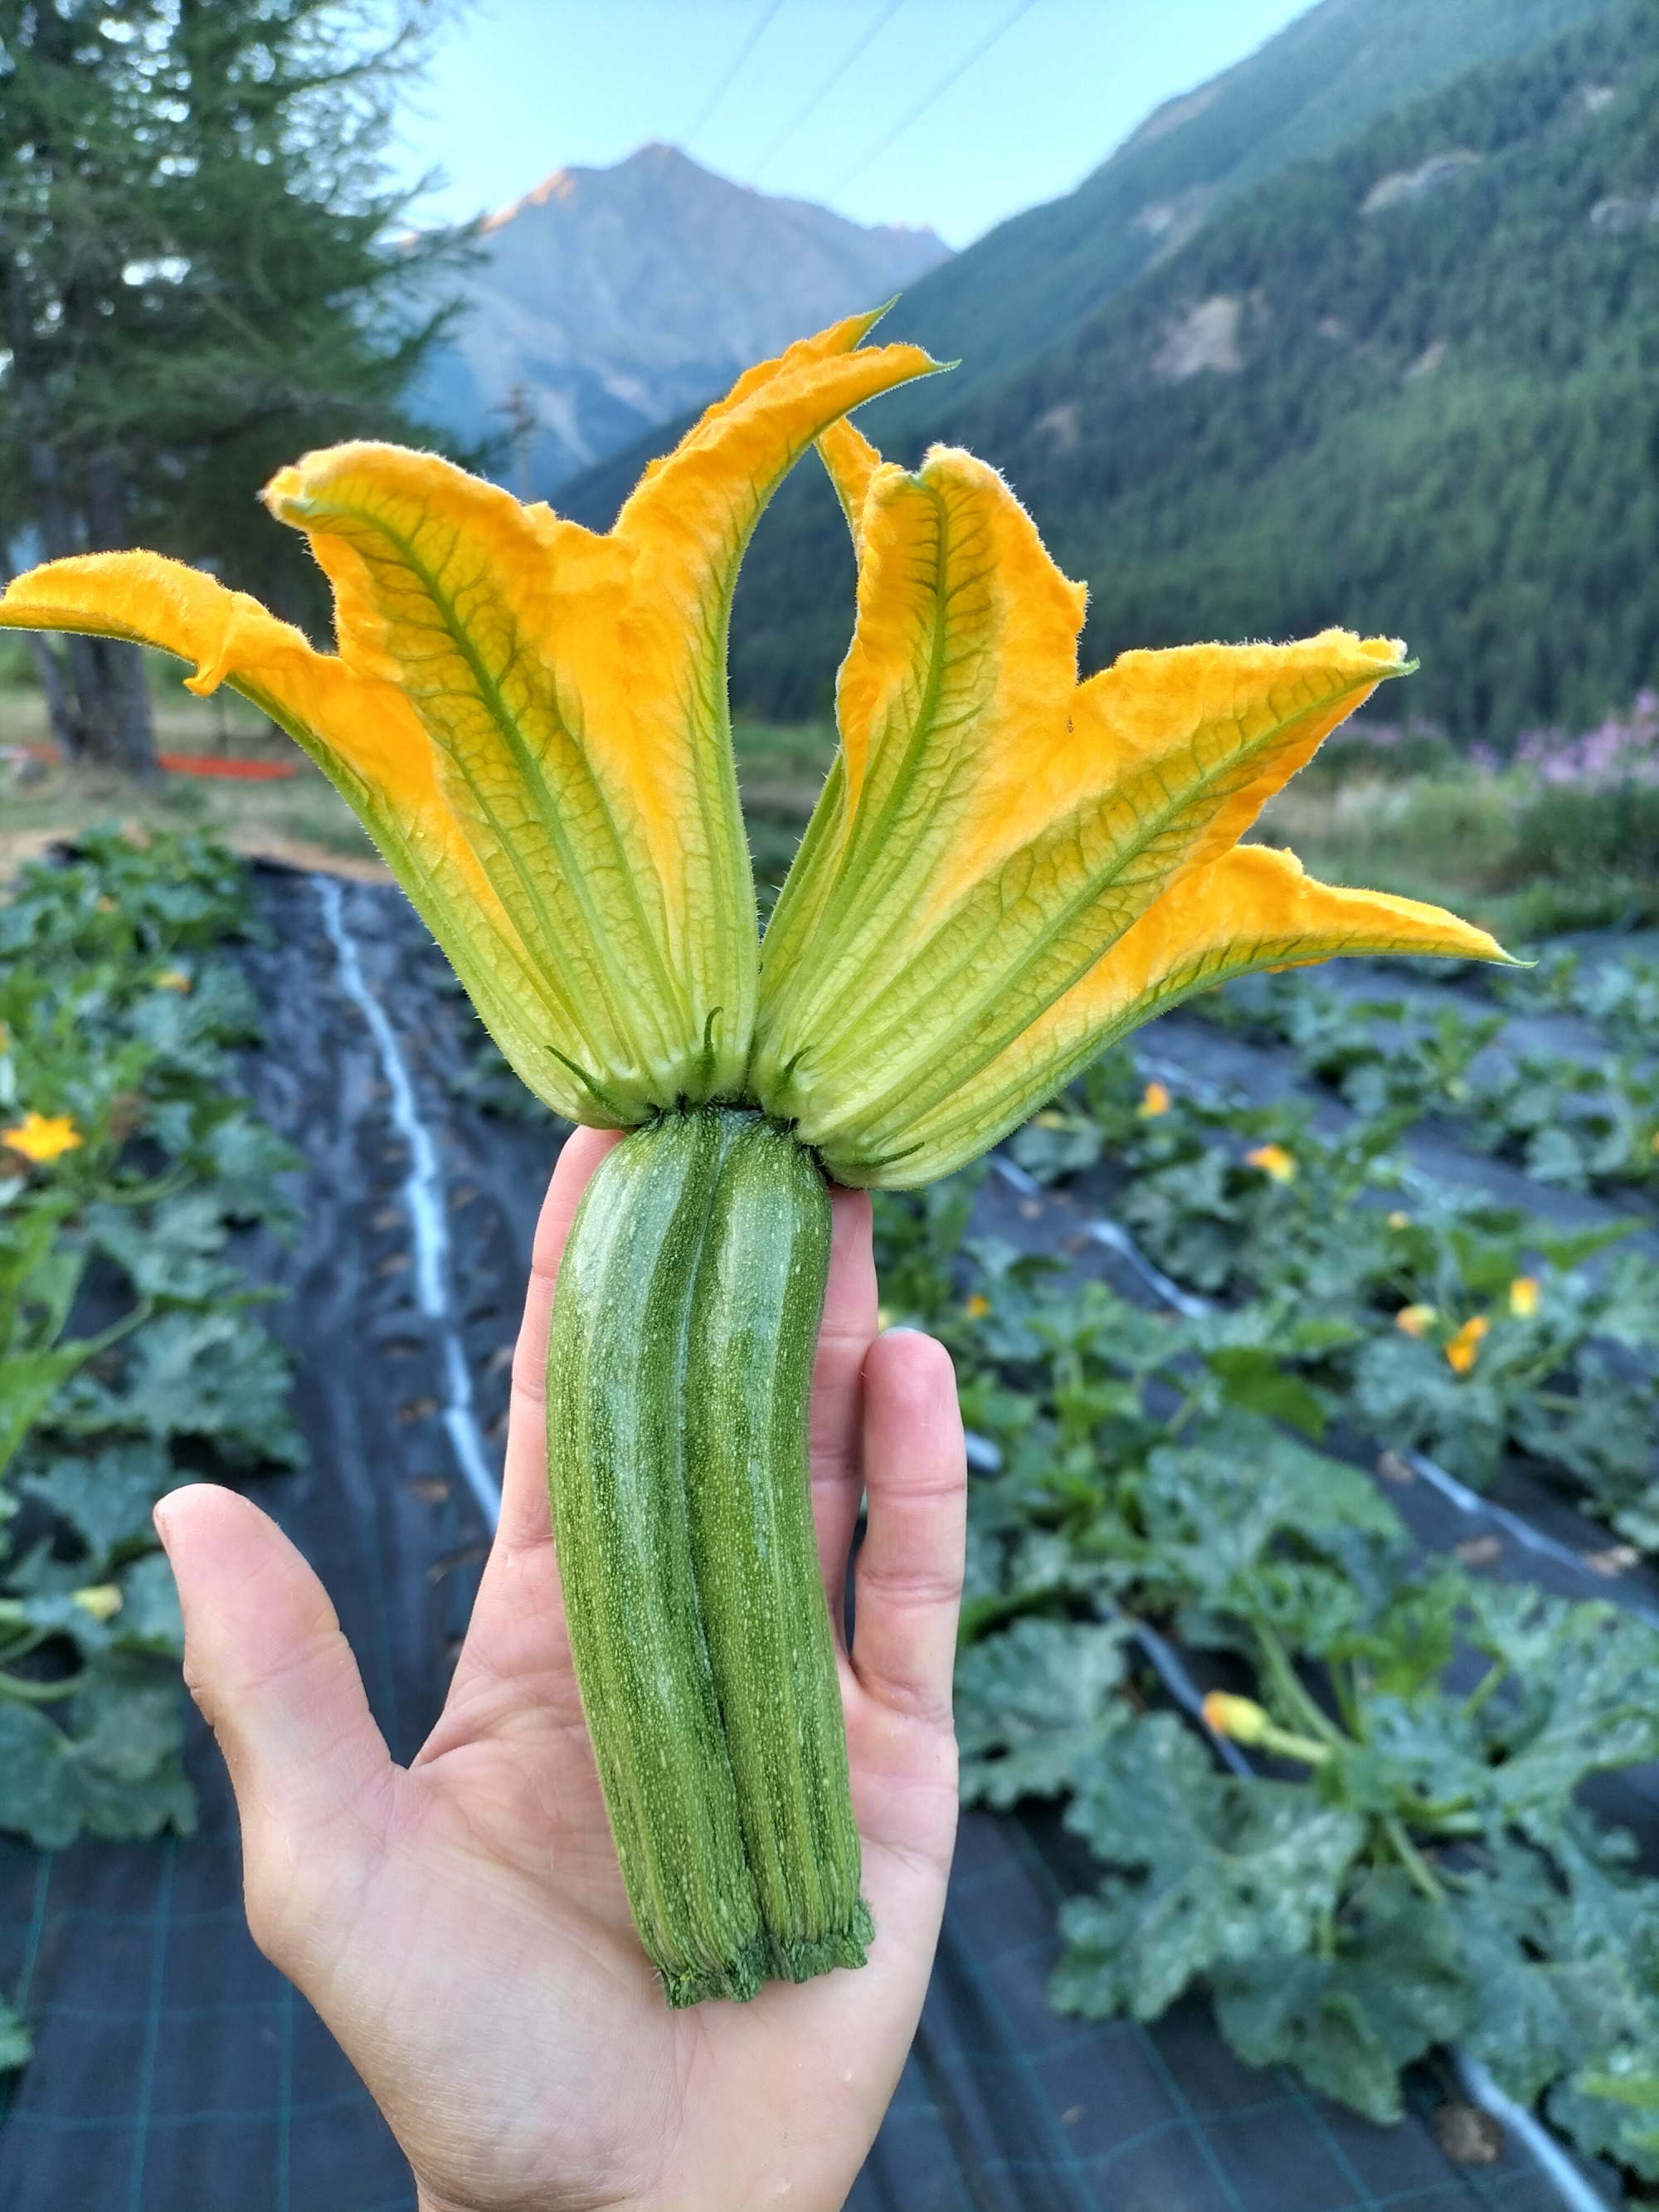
(462, 1925)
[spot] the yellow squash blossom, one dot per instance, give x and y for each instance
(1525, 1295)
(43, 1137)
(1007, 869)
(102, 1600)
(1242, 1721)
(1154, 1100)
(1272, 1160)
(1416, 1321)
(1463, 1348)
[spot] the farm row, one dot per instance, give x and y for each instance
(131, 1356)
(1381, 1847)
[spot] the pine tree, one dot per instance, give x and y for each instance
(202, 279)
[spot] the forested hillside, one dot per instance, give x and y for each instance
(1033, 280)
(1029, 284)
(1412, 387)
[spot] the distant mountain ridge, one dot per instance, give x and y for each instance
(609, 300)
(1409, 388)
(1311, 89)
(1029, 284)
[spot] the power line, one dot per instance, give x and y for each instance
(826, 87)
(927, 99)
(727, 82)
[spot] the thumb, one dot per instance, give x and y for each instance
(265, 1660)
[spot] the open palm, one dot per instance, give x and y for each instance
(462, 1925)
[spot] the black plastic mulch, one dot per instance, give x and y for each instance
(176, 2071)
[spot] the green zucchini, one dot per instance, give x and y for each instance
(679, 1378)
(755, 1321)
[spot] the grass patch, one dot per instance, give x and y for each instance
(1525, 857)
(780, 769)
(302, 819)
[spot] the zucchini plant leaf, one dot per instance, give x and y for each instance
(114, 1771)
(28, 1382)
(1225, 1870)
(1031, 1703)
(216, 1375)
(1391, 1986)
(105, 1498)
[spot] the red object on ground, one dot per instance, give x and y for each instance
(220, 764)
(250, 771)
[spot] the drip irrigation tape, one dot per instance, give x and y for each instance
(1513, 1524)
(1115, 1240)
(423, 1198)
(1575, 2192)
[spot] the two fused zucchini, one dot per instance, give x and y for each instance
(679, 1378)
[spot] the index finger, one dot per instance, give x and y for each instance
(526, 1518)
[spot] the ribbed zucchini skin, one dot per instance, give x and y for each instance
(616, 1364)
(679, 1378)
(754, 1337)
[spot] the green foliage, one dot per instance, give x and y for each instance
(1581, 1124)
(1581, 835)
(1415, 1865)
(1031, 1705)
(119, 1012)
(202, 265)
(1227, 1869)
(1426, 1874)
(1434, 419)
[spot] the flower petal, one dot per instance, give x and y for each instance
(531, 721)
(575, 687)
(994, 826)
(1252, 908)
(362, 734)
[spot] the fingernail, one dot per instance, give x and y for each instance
(158, 1518)
(903, 1328)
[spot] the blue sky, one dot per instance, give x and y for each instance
(949, 112)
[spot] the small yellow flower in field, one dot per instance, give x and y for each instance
(977, 1307)
(1048, 1119)
(1243, 1721)
(1524, 1296)
(1399, 1221)
(1154, 1100)
(1464, 1348)
(1240, 1719)
(174, 979)
(102, 1600)
(1653, 1142)
(42, 1137)
(1415, 1319)
(1272, 1160)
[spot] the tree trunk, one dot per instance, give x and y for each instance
(130, 725)
(114, 726)
(61, 717)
